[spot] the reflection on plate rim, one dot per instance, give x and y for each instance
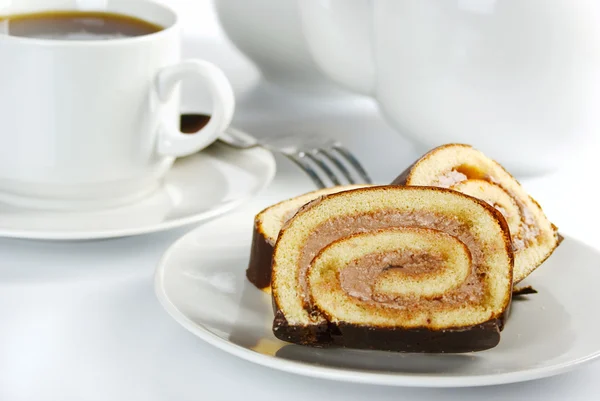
(163, 226)
(347, 375)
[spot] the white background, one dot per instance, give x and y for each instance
(79, 320)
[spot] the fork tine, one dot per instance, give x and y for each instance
(338, 164)
(306, 167)
(345, 153)
(329, 172)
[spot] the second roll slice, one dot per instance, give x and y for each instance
(467, 170)
(393, 268)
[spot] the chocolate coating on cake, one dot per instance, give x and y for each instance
(527, 290)
(471, 339)
(458, 340)
(261, 254)
(403, 177)
(315, 335)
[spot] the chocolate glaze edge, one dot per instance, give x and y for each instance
(317, 335)
(527, 290)
(418, 340)
(475, 338)
(402, 179)
(261, 256)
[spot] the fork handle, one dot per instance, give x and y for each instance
(238, 139)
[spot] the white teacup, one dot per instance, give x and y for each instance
(92, 124)
(519, 79)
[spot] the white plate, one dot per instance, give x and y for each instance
(201, 283)
(198, 187)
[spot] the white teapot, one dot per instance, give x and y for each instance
(518, 79)
(269, 32)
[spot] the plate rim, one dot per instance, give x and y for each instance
(223, 208)
(343, 374)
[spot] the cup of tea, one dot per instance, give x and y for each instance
(89, 106)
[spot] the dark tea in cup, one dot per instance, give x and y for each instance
(75, 25)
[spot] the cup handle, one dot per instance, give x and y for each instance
(174, 142)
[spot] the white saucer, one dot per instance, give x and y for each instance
(201, 283)
(198, 187)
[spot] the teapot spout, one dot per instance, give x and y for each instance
(339, 36)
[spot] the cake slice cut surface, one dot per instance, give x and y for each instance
(396, 268)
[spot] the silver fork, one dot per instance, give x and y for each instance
(327, 162)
